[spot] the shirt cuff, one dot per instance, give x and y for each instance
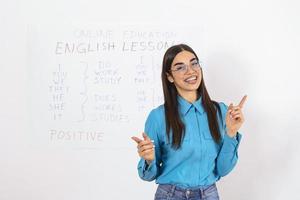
(145, 165)
(230, 144)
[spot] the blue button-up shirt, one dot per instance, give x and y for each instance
(200, 161)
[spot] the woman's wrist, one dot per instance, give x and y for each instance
(148, 162)
(231, 133)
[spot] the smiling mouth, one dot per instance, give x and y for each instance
(191, 79)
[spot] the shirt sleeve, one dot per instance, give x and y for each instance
(228, 154)
(150, 172)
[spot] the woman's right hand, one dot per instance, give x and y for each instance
(145, 148)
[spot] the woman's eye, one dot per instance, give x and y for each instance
(179, 68)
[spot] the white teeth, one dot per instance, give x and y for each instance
(191, 78)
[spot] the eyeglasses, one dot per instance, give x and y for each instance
(182, 68)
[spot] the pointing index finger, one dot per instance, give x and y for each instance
(136, 139)
(241, 104)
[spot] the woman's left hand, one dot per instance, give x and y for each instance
(235, 117)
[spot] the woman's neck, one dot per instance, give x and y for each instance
(190, 97)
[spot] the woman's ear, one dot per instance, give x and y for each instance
(170, 77)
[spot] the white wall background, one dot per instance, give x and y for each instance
(250, 47)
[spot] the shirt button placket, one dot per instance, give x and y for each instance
(199, 134)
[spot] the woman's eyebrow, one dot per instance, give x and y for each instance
(180, 63)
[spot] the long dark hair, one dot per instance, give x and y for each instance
(173, 121)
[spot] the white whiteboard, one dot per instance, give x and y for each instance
(89, 83)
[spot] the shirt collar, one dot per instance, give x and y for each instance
(185, 106)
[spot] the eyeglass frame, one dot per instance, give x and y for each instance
(186, 66)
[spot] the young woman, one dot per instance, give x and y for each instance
(190, 141)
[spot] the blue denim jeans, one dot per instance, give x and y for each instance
(172, 192)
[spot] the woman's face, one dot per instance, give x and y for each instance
(185, 73)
